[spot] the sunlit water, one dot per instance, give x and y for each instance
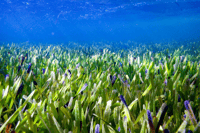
(61, 21)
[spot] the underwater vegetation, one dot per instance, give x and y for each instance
(140, 89)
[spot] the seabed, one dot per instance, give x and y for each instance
(116, 87)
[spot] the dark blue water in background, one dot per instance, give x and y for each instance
(61, 21)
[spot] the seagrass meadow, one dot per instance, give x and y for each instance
(102, 88)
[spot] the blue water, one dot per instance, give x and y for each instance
(63, 21)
